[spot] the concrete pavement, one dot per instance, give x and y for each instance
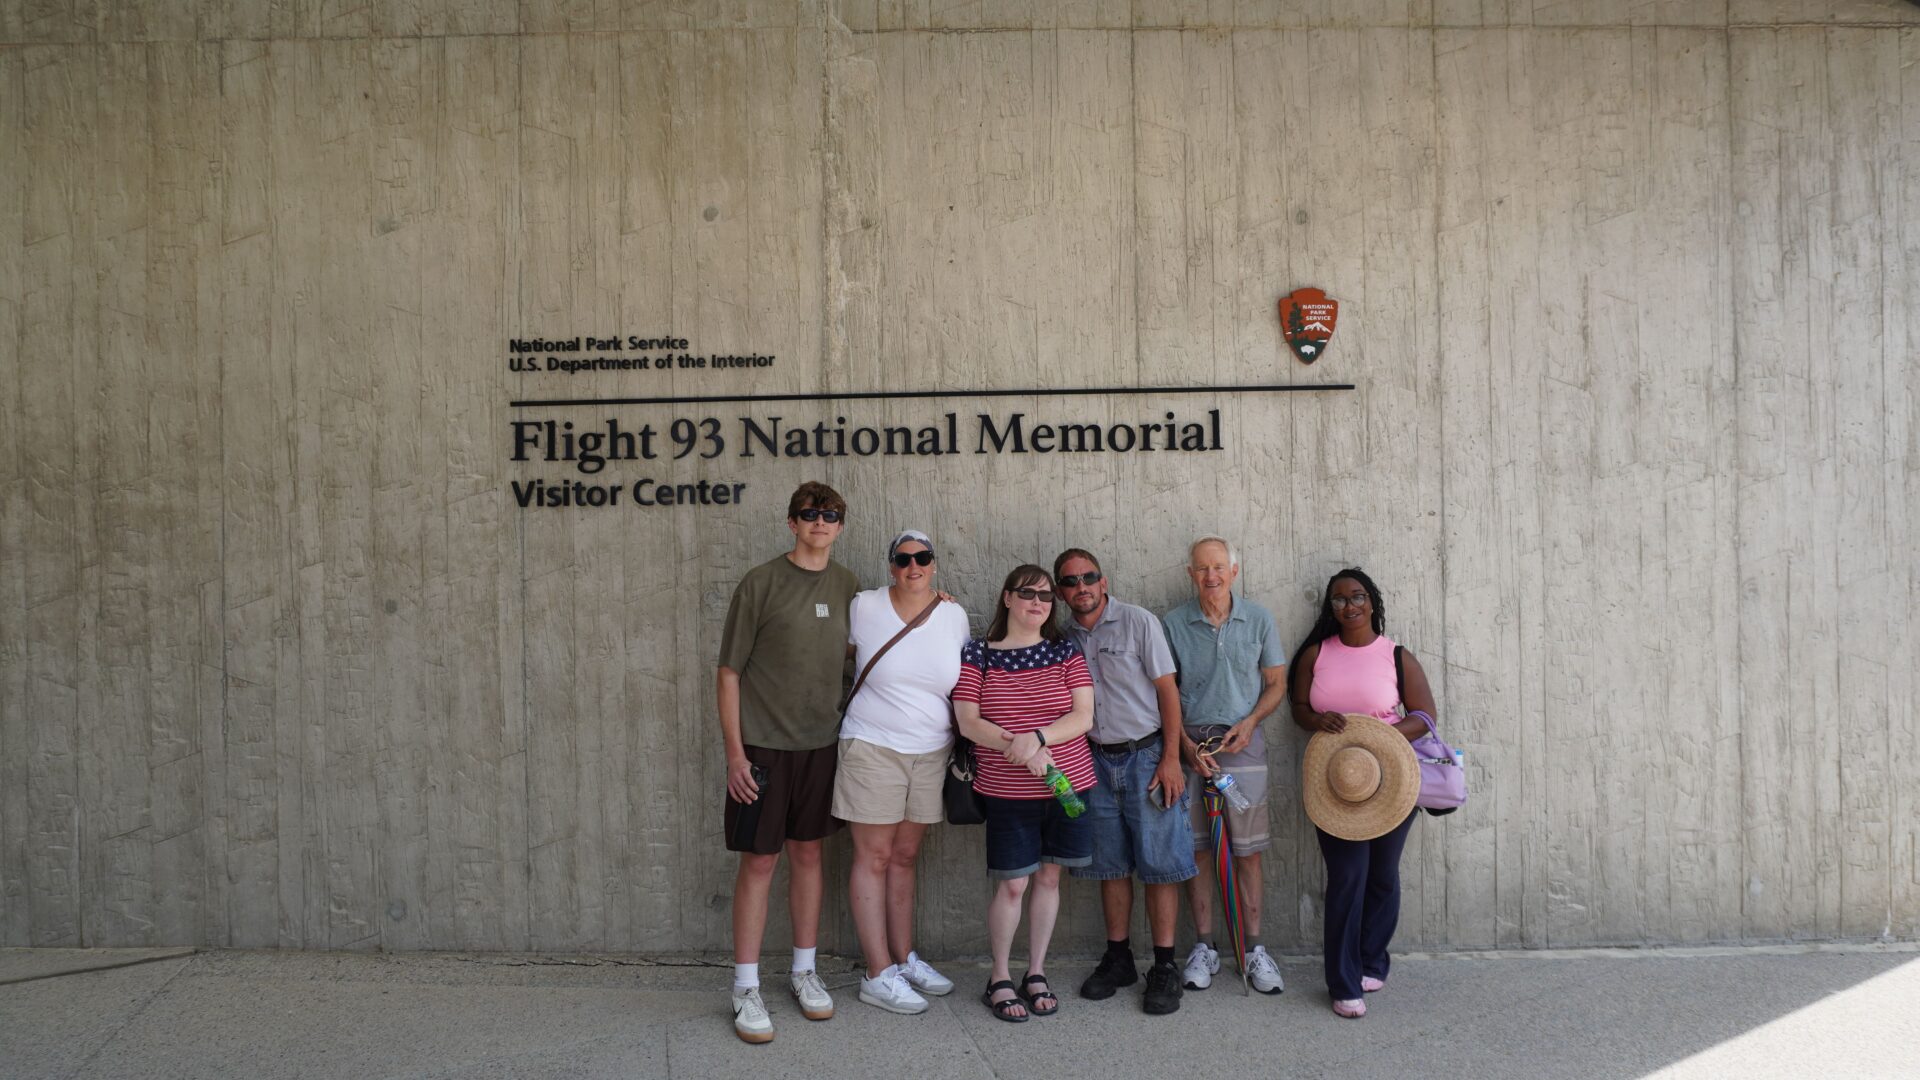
(1758, 1012)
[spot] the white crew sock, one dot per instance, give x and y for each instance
(802, 959)
(745, 976)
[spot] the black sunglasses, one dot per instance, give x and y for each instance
(902, 558)
(1088, 578)
(812, 513)
(1034, 594)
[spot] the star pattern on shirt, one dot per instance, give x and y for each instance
(1027, 658)
(1022, 659)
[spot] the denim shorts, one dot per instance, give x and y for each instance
(1131, 833)
(1023, 833)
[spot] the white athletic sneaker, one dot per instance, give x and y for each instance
(811, 993)
(890, 992)
(1262, 973)
(923, 978)
(1203, 964)
(750, 1019)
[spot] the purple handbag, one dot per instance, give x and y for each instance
(1443, 782)
(1443, 776)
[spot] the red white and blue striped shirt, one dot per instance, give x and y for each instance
(1024, 690)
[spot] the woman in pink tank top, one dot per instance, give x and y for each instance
(1345, 665)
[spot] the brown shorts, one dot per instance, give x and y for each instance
(795, 803)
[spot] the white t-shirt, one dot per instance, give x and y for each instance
(903, 705)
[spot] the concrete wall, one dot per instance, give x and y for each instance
(1630, 292)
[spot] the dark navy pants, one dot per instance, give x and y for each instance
(1363, 906)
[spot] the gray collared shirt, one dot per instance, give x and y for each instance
(1220, 667)
(1126, 650)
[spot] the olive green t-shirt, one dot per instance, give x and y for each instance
(786, 636)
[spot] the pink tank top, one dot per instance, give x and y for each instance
(1350, 680)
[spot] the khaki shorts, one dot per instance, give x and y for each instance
(1247, 832)
(878, 786)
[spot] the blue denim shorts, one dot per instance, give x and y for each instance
(1023, 833)
(1131, 833)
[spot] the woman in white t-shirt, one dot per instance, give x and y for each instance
(894, 744)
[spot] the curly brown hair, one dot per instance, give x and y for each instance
(817, 495)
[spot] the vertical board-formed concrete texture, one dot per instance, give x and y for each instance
(1630, 294)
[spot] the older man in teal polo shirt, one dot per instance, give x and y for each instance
(1232, 677)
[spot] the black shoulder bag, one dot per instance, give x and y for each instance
(963, 804)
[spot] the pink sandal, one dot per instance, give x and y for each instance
(1371, 985)
(1351, 1010)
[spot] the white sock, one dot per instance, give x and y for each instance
(802, 959)
(745, 977)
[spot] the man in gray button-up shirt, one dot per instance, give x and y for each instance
(1139, 807)
(1232, 677)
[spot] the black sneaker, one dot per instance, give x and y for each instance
(1163, 989)
(1115, 971)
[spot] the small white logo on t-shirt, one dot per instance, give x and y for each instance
(820, 611)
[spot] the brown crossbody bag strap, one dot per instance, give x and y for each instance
(891, 642)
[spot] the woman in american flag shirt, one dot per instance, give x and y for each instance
(1026, 700)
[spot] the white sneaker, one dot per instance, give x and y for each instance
(890, 991)
(1262, 973)
(923, 978)
(1203, 964)
(811, 993)
(750, 1019)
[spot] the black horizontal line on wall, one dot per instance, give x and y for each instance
(896, 395)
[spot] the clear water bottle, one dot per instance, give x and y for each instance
(1070, 800)
(1229, 788)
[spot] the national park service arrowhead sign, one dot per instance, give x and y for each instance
(1307, 317)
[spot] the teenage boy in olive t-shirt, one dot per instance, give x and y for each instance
(781, 658)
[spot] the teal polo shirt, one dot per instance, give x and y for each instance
(1220, 668)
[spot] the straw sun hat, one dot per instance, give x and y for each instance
(1362, 782)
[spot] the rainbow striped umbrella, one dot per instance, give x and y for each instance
(1216, 805)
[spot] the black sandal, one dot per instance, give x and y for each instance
(1000, 1007)
(1033, 999)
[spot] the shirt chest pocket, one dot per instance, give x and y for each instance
(1239, 653)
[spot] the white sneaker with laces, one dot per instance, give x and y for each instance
(1262, 973)
(1203, 964)
(811, 993)
(923, 978)
(750, 1019)
(889, 991)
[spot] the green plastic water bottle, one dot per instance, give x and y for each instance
(1070, 800)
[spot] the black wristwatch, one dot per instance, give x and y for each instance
(1041, 735)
